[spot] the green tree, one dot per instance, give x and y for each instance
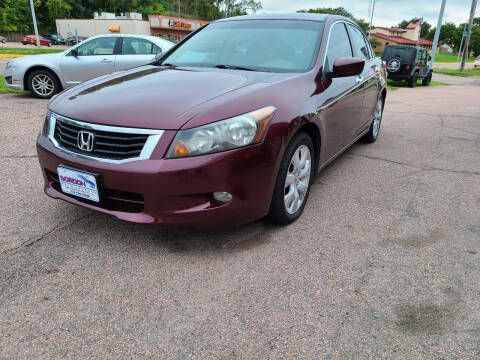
(450, 34)
(339, 11)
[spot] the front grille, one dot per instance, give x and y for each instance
(110, 199)
(106, 144)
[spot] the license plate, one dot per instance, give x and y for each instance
(78, 183)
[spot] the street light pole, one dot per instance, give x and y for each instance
(467, 40)
(35, 23)
(371, 19)
(437, 34)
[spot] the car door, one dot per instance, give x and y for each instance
(343, 97)
(135, 52)
(94, 58)
(370, 77)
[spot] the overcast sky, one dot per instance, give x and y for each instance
(387, 12)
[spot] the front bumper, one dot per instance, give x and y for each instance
(174, 191)
(14, 78)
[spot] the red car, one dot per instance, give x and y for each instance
(31, 39)
(230, 125)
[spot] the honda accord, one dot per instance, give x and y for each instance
(231, 125)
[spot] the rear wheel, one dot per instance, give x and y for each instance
(412, 81)
(43, 84)
(427, 80)
(293, 181)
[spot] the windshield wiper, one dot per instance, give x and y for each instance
(234, 67)
(169, 65)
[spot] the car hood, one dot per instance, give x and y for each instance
(41, 59)
(150, 96)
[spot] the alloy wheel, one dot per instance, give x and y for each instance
(43, 84)
(377, 118)
(298, 179)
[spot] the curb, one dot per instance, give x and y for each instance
(11, 55)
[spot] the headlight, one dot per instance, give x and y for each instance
(223, 135)
(9, 65)
(46, 123)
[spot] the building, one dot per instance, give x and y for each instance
(103, 23)
(174, 28)
(397, 36)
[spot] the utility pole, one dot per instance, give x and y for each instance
(437, 34)
(371, 19)
(35, 23)
(461, 42)
(467, 40)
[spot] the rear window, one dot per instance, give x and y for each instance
(401, 53)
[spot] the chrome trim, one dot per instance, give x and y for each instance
(148, 147)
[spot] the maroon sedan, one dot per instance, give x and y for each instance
(231, 125)
(32, 39)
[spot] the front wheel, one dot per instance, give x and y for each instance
(372, 134)
(43, 84)
(293, 181)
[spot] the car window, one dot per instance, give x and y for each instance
(98, 46)
(338, 46)
(359, 44)
(262, 45)
(136, 46)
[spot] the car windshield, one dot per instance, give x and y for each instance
(404, 54)
(258, 45)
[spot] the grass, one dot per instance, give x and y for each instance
(5, 90)
(450, 58)
(28, 51)
(394, 85)
(443, 58)
(456, 72)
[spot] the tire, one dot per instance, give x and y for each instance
(301, 147)
(427, 80)
(43, 84)
(372, 134)
(412, 81)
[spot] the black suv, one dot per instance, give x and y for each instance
(407, 63)
(55, 39)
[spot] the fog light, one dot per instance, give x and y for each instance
(222, 196)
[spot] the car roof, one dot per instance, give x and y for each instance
(289, 16)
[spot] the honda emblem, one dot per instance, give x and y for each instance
(85, 140)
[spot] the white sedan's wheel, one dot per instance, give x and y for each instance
(43, 84)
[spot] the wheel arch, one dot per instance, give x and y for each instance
(35, 68)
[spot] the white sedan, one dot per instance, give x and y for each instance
(47, 74)
(477, 61)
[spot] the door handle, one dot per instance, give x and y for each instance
(106, 60)
(359, 79)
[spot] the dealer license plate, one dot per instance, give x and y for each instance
(78, 183)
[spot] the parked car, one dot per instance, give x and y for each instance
(477, 61)
(407, 63)
(73, 40)
(32, 39)
(229, 126)
(55, 39)
(2, 40)
(47, 74)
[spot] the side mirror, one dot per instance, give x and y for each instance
(344, 67)
(429, 58)
(74, 52)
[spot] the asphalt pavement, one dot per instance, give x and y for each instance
(383, 264)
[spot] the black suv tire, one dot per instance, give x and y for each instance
(427, 80)
(412, 81)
